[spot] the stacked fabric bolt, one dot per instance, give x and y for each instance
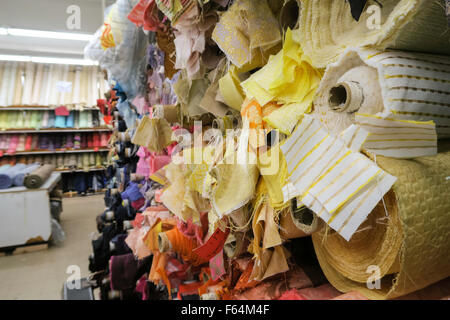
(239, 154)
(50, 84)
(69, 161)
(34, 119)
(11, 143)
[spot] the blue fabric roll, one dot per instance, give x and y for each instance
(60, 122)
(70, 120)
(20, 176)
(7, 176)
(51, 120)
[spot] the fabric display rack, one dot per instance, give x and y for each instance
(49, 115)
(308, 162)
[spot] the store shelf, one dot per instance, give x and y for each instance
(19, 153)
(59, 130)
(46, 108)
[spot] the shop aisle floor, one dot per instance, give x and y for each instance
(41, 274)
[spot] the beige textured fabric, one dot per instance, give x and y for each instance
(235, 186)
(406, 235)
(327, 28)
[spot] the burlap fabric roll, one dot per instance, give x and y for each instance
(405, 240)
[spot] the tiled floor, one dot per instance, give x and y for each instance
(41, 275)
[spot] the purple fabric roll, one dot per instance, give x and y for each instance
(123, 272)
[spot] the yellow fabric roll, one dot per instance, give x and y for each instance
(406, 235)
(328, 28)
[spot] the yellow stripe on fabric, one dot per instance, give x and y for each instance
(338, 177)
(310, 152)
(412, 59)
(412, 113)
(414, 67)
(361, 171)
(416, 77)
(419, 89)
(394, 147)
(354, 136)
(357, 208)
(301, 135)
(402, 133)
(320, 158)
(423, 123)
(302, 146)
(327, 172)
(383, 140)
(370, 56)
(421, 101)
(339, 207)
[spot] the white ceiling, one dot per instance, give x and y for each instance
(48, 15)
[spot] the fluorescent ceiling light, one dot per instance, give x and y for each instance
(82, 62)
(8, 57)
(46, 34)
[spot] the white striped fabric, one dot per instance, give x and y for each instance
(12, 84)
(77, 86)
(28, 85)
(338, 183)
(398, 138)
(4, 83)
(415, 86)
(18, 86)
(46, 87)
(37, 86)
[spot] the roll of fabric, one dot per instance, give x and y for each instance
(37, 178)
(5, 179)
(236, 245)
(20, 174)
(298, 223)
(404, 236)
(391, 94)
(328, 28)
(7, 176)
